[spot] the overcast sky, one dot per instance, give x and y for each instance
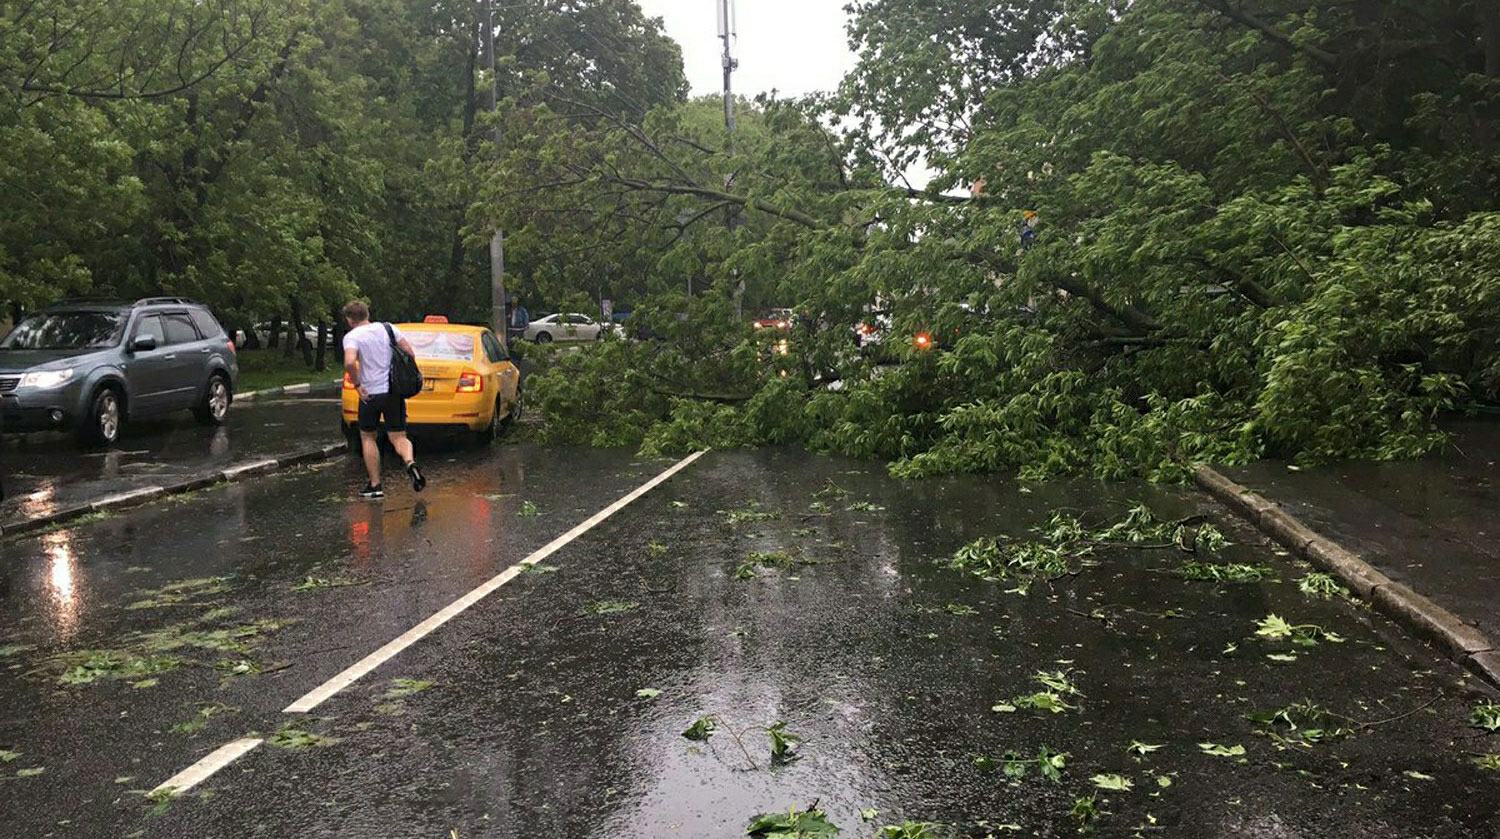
(792, 46)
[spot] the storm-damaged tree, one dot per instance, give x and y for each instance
(1266, 228)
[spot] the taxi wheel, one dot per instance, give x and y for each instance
(496, 427)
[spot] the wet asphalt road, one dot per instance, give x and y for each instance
(233, 603)
(45, 472)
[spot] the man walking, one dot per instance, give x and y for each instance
(367, 362)
(516, 320)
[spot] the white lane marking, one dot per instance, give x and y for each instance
(352, 674)
(216, 760)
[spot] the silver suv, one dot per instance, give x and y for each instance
(89, 367)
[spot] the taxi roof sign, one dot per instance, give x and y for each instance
(435, 319)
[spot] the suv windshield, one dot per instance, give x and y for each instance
(65, 331)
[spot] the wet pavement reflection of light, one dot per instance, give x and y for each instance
(61, 585)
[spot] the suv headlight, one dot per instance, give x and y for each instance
(47, 378)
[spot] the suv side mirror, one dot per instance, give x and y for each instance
(143, 343)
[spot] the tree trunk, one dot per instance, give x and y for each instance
(322, 354)
(297, 340)
(273, 335)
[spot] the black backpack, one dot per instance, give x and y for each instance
(406, 379)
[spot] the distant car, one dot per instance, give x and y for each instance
(468, 383)
(90, 367)
(309, 331)
(774, 319)
(566, 326)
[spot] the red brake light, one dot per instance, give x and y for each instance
(470, 382)
(866, 329)
(232, 350)
(923, 341)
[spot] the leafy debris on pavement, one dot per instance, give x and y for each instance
(1275, 627)
(200, 720)
(1224, 573)
(1222, 751)
(811, 823)
(294, 735)
(1322, 586)
(1486, 715)
(401, 687)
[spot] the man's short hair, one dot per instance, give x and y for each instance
(357, 311)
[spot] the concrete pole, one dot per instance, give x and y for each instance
(727, 34)
(497, 238)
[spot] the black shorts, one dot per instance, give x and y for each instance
(387, 405)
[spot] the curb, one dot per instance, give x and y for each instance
(304, 387)
(1459, 640)
(135, 497)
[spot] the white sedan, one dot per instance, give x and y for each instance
(565, 326)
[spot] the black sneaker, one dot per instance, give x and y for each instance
(372, 491)
(418, 480)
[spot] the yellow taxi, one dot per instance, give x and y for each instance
(468, 382)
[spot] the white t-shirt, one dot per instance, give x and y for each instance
(374, 348)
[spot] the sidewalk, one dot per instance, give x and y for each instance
(1432, 524)
(49, 477)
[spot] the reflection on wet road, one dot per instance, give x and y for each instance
(46, 472)
(556, 706)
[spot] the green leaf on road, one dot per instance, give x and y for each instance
(405, 687)
(793, 824)
(648, 693)
(701, 729)
(782, 742)
(1486, 715)
(1113, 782)
(1222, 751)
(294, 735)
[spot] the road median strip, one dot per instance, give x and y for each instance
(190, 483)
(1460, 640)
(301, 387)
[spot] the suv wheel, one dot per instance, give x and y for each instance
(215, 405)
(101, 426)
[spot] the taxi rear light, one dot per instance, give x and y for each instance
(470, 382)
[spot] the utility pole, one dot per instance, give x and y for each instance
(727, 34)
(497, 239)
